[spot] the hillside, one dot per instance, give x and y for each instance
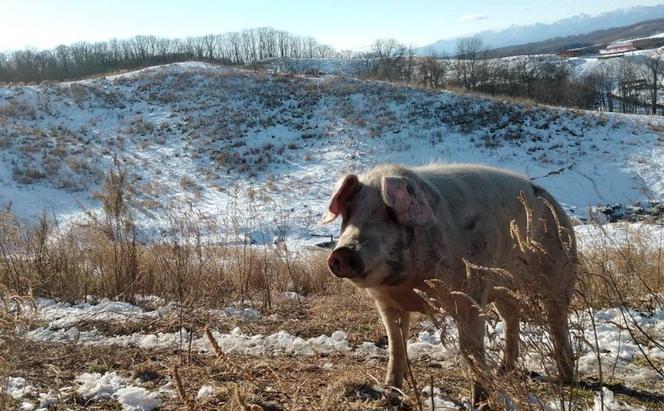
(261, 151)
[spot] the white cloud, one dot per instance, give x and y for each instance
(469, 18)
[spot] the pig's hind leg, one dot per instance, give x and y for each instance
(510, 312)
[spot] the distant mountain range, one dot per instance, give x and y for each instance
(590, 43)
(571, 26)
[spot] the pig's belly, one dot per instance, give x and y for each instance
(402, 297)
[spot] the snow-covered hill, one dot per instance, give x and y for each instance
(262, 151)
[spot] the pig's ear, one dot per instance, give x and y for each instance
(408, 201)
(343, 191)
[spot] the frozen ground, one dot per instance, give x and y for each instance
(615, 344)
(260, 153)
(619, 355)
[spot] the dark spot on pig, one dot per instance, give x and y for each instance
(410, 189)
(395, 263)
(470, 225)
(478, 247)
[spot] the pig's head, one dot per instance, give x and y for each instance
(383, 215)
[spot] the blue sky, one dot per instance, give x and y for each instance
(340, 23)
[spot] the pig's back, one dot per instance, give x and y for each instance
(475, 204)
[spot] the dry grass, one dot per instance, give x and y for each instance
(102, 257)
(15, 315)
(623, 274)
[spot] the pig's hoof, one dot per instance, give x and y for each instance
(394, 383)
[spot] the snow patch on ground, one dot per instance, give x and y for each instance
(432, 400)
(606, 401)
(618, 350)
(244, 313)
(63, 315)
(17, 387)
(234, 342)
(97, 386)
(137, 399)
(110, 385)
(60, 315)
(204, 392)
(26, 406)
(616, 346)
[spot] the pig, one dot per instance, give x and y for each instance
(404, 225)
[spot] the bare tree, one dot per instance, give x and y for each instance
(606, 82)
(81, 59)
(387, 55)
(652, 74)
(470, 52)
(628, 79)
(325, 51)
(432, 69)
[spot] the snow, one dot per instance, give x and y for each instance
(63, 315)
(137, 399)
(291, 295)
(47, 399)
(204, 392)
(244, 313)
(60, 315)
(234, 342)
(329, 66)
(110, 385)
(606, 401)
(436, 402)
(27, 406)
(97, 386)
(17, 387)
(618, 350)
(281, 343)
(616, 346)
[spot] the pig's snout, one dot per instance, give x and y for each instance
(345, 263)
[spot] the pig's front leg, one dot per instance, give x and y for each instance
(397, 326)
